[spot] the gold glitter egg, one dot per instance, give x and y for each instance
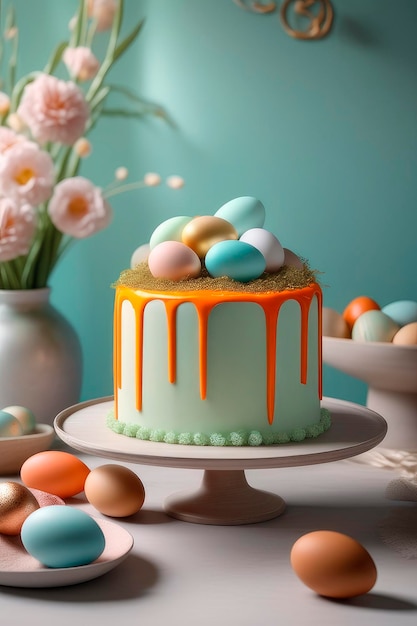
(202, 232)
(16, 504)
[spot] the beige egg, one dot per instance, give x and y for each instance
(24, 416)
(406, 336)
(16, 504)
(334, 325)
(114, 490)
(202, 232)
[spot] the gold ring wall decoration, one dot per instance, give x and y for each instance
(317, 16)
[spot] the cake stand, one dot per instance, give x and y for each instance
(390, 372)
(224, 497)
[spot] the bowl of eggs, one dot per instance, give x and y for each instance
(378, 345)
(21, 437)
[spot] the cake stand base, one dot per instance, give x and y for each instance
(224, 497)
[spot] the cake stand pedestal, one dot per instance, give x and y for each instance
(224, 497)
(390, 372)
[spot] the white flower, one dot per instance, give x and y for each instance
(175, 182)
(26, 173)
(17, 227)
(151, 179)
(77, 208)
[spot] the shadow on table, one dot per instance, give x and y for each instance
(133, 578)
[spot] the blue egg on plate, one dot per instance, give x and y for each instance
(403, 312)
(62, 536)
(236, 259)
(244, 213)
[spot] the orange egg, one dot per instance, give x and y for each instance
(56, 472)
(356, 307)
(333, 564)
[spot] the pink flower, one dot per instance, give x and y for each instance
(26, 173)
(54, 110)
(9, 138)
(81, 62)
(17, 227)
(103, 11)
(77, 208)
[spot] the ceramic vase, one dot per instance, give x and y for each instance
(40, 355)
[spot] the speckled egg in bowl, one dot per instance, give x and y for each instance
(15, 450)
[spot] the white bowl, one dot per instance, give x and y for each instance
(15, 450)
(390, 371)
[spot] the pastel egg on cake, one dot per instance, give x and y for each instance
(244, 213)
(201, 233)
(268, 245)
(236, 259)
(173, 260)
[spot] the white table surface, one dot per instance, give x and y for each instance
(197, 575)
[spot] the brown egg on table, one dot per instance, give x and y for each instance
(333, 564)
(16, 504)
(202, 232)
(114, 490)
(406, 336)
(334, 324)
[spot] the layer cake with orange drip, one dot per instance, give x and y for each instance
(215, 356)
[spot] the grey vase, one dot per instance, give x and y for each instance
(40, 355)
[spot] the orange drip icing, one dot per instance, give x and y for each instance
(204, 302)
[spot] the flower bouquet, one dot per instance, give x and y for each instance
(45, 120)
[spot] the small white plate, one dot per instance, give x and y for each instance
(19, 569)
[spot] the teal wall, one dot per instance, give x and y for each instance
(324, 133)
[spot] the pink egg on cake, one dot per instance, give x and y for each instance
(173, 260)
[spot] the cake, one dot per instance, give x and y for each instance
(214, 354)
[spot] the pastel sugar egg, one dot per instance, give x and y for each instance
(268, 245)
(62, 536)
(16, 504)
(9, 425)
(114, 490)
(374, 326)
(202, 232)
(169, 230)
(402, 311)
(236, 259)
(357, 306)
(334, 324)
(333, 565)
(406, 336)
(140, 255)
(24, 416)
(60, 473)
(244, 213)
(292, 260)
(173, 260)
